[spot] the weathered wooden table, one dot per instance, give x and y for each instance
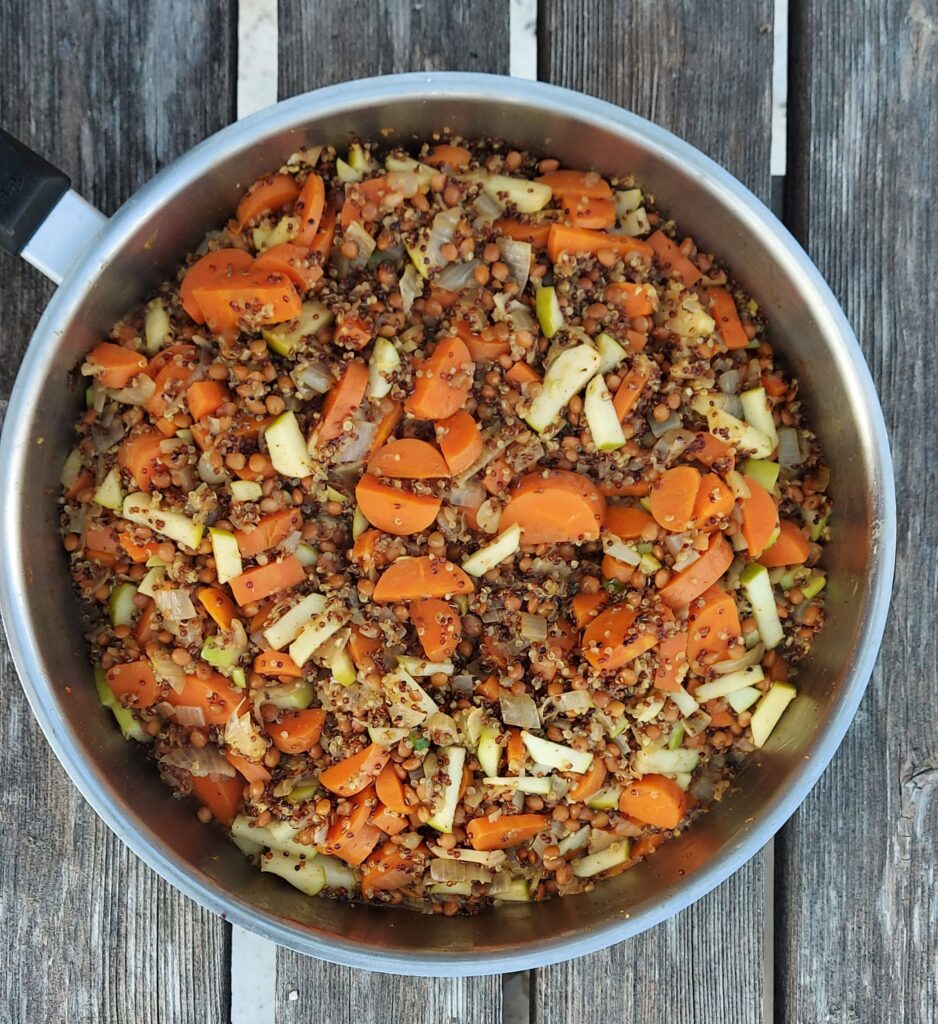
(835, 921)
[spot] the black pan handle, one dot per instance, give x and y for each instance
(30, 187)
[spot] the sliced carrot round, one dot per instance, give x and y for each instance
(393, 510)
(270, 193)
(673, 496)
(409, 579)
(505, 831)
(139, 456)
(442, 382)
(309, 207)
(580, 183)
(292, 261)
(460, 440)
(408, 459)
(114, 365)
(390, 790)
(438, 625)
(791, 548)
(555, 507)
(615, 637)
(447, 155)
(481, 349)
(654, 800)
(713, 624)
(135, 681)
(268, 532)
(220, 263)
(713, 503)
(627, 522)
(589, 783)
(355, 773)
(583, 211)
(760, 517)
(262, 296)
(297, 731)
(222, 796)
(691, 582)
(344, 397)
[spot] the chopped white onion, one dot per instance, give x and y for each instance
(442, 870)
(314, 376)
(729, 382)
(167, 671)
(671, 423)
(533, 627)
(456, 276)
(687, 557)
(199, 761)
(175, 604)
(189, 716)
(520, 710)
(207, 472)
(572, 700)
(517, 255)
(356, 442)
(789, 451)
(751, 657)
(411, 285)
(619, 549)
(442, 232)
(139, 392)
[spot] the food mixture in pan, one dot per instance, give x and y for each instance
(446, 527)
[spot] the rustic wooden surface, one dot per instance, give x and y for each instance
(857, 937)
(838, 923)
(91, 935)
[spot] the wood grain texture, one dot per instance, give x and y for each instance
(703, 70)
(110, 94)
(332, 41)
(857, 930)
(337, 40)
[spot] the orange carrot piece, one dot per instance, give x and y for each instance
(322, 243)
(408, 459)
(390, 867)
(362, 649)
(410, 579)
(393, 510)
(505, 831)
(555, 507)
(713, 503)
(482, 350)
(445, 154)
(646, 845)
(144, 630)
(774, 385)
(612, 639)
(218, 604)
(673, 496)
(460, 440)
(390, 822)
(442, 382)
(170, 381)
(309, 206)
(638, 489)
(353, 332)
(589, 783)
(277, 663)
(84, 481)
(594, 213)
(630, 390)
(535, 234)
(632, 299)
(265, 297)
(344, 397)
(215, 696)
(270, 193)
(579, 183)
(297, 731)
(489, 689)
(515, 750)
(671, 260)
(522, 373)
(586, 607)
(100, 543)
(114, 365)
(576, 240)
(292, 261)
(263, 580)
(635, 340)
(723, 309)
(713, 624)
(654, 800)
(134, 681)
(353, 774)
(352, 846)
(627, 522)
(268, 532)
(221, 263)
(222, 796)
(791, 548)
(391, 413)
(760, 517)
(615, 569)
(672, 662)
(390, 790)
(139, 455)
(691, 582)
(712, 451)
(438, 625)
(253, 771)
(204, 397)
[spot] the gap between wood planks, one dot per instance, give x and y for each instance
(253, 959)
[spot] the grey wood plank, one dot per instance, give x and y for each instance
(703, 70)
(333, 41)
(337, 40)
(110, 93)
(857, 926)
